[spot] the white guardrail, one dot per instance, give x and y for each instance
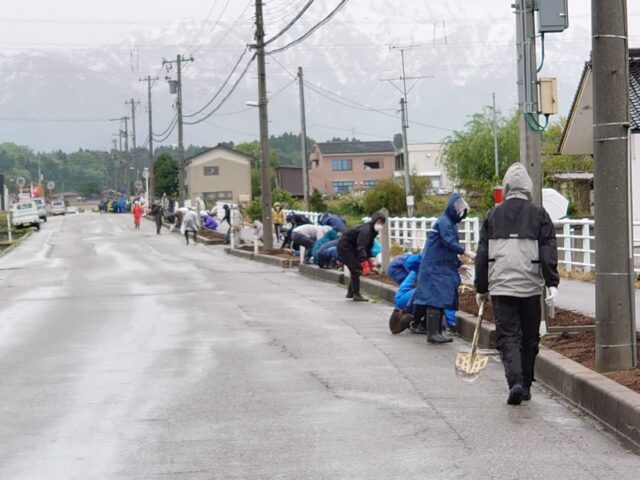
(575, 237)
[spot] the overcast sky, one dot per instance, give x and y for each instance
(465, 46)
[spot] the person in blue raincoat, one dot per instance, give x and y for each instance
(402, 265)
(439, 276)
(334, 221)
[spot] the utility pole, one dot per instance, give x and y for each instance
(124, 134)
(264, 132)
(404, 112)
(183, 194)
(530, 140)
(303, 143)
(495, 138)
(615, 292)
(149, 81)
(114, 148)
(405, 156)
(133, 104)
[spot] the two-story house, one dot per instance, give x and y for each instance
(338, 167)
(425, 160)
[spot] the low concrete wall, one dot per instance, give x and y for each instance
(268, 259)
(614, 405)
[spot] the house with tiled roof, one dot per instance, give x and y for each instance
(577, 137)
(338, 167)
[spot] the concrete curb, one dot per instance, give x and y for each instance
(616, 406)
(269, 260)
(16, 244)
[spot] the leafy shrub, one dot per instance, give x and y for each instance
(386, 194)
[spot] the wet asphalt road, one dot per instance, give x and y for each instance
(126, 355)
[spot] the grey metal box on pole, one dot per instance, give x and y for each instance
(553, 15)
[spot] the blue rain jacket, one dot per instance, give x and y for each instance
(328, 255)
(438, 277)
(334, 221)
(402, 265)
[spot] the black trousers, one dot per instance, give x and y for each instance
(158, 224)
(517, 334)
(302, 240)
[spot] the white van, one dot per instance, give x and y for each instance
(42, 207)
(25, 214)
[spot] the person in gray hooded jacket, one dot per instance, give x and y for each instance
(517, 256)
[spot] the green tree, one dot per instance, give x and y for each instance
(468, 154)
(386, 194)
(316, 201)
(552, 162)
(165, 175)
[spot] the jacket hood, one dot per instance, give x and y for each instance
(377, 217)
(455, 202)
(517, 183)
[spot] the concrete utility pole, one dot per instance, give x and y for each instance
(183, 194)
(405, 155)
(124, 134)
(303, 143)
(265, 156)
(133, 104)
(615, 292)
(149, 81)
(530, 140)
(114, 149)
(495, 139)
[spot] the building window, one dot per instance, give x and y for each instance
(341, 187)
(399, 162)
(208, 171)
(373, 165)
(215, 196)
(341, 165)
(367, 184)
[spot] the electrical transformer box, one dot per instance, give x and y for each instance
(553, 15)
(548, 96)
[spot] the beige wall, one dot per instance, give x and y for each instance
(234, 175)
(323, 176)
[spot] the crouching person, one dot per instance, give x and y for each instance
(354, 249)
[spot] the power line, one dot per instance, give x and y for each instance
(310, 31)
(55, 120)
(291, 23)
(229, 93)
(215, 25)
(224, 84)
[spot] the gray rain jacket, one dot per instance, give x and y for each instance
(517, 255)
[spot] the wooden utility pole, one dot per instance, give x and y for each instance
(149, 81)
(133, 104)
(265, 155)
(530, 139)
(405, 156)
(303, 143)
(615, 292)
(183, 193)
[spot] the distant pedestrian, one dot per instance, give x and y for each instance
(354, 249)
(277, 217)
(189, 224)
(158, 212)
(439, 273)
(517, 257)
(137, 214)
(238, 225)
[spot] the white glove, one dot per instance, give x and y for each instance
(470, 255)
(481, 298)
(551, 298)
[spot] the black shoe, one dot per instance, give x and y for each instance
(418, 328)
(526, 393)
(359, 298)
(515, 395)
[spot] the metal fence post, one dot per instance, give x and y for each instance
(385, 241)
(566, 233)
(586, 246)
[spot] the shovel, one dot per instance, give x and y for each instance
(469, 365)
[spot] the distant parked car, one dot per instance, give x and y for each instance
(42, 208)
(25, 214)
(57, 207)
(71, 209)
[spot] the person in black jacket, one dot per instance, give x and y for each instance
(295, 219)
(354, 248)
(517, 256)
(158, 212)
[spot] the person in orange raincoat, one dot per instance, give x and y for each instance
(137, 214)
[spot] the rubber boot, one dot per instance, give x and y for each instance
(433, 319)
(515, 394)
(355, 280)
(441, 331)
(350, 289)
(526, 393)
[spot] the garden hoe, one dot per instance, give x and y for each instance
(469, 365)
